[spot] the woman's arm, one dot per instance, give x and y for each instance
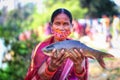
(78, 60)
(45, 73)
(48, 69)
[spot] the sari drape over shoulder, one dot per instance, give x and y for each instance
(38, 58)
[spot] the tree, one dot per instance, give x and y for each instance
(71, 5)
(14, 23)
(96, 8)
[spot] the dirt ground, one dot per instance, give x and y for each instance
(113, 65)
(111, 73)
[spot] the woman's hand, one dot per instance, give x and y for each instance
(57, 59)
(77, 57)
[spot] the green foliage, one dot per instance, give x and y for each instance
(16, 22)
(16, 69)
(18, 66)
(71, 5)
(38, 19)
(96, 8)
(51, 5)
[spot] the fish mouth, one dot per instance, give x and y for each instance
(46, 51)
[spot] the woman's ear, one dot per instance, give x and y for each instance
(50, 24)
(71, 27)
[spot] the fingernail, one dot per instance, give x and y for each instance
(75, 50)
(54, 50)
(81, 50)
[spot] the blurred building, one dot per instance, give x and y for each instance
(9, 4)
(12, 4)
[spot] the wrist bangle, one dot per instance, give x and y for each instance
(80, 74)
(49, 73)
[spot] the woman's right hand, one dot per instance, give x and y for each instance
(57, 59)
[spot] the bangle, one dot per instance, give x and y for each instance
(80, 74)
(49, 73)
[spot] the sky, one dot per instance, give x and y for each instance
(117, 2)
(11, 4)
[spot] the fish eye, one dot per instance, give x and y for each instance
(50, 47)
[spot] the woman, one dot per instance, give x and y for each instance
(62, 67)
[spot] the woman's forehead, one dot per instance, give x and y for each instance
(61, 16)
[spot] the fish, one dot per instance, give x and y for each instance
(87, 51)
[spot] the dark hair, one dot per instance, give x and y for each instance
(61, 10)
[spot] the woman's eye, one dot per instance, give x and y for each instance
(65, 24)
(57, 23)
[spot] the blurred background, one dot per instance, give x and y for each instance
(25, 23)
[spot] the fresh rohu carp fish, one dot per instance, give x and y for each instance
(69, 45)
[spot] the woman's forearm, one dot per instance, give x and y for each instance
(45, 73)
(79, 71)
(78, 68)
(41, 72)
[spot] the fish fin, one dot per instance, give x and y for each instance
(101, 62)
(107, 55)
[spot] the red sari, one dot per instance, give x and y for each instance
(38, 58)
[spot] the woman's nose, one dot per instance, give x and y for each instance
(61, 27)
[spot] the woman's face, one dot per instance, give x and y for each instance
(61, 21)
(61, 26)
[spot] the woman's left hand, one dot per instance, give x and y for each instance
(77, 57)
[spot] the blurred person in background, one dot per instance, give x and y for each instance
(78, 29)
(116, 26)
(106, 25)
(63, 66)
(47, 29)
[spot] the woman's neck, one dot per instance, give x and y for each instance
(56, 40)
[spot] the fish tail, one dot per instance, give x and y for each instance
(101, 60)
